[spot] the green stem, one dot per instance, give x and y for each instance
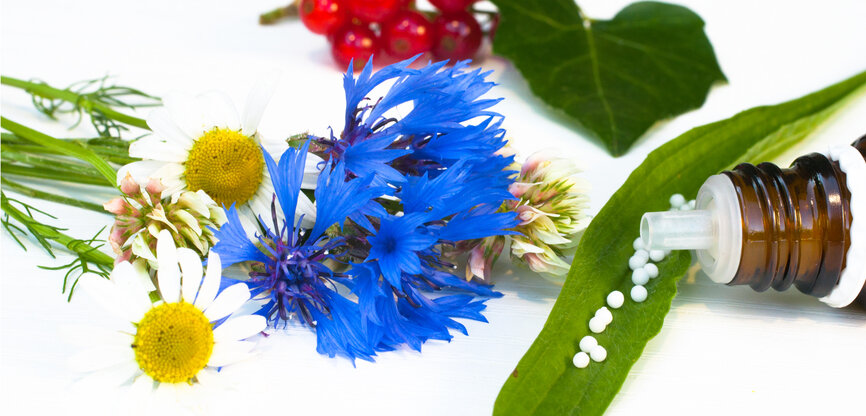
(69, 148)
(47, 91)
(115, 153)
(82, 249)
(278, 14)
(49, 160)
(51, 174)
(47, 196)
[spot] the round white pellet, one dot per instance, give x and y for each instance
(644, 254)
(657, 255)
(598, 354)
(693, 204)
(596, 325)
(587, 343)
(652, 270)
(605, 315)
(636, 262)
(580, 360)
(677, 200)
(638, 294)
(638, 244)
(640, 276)
(615, 299)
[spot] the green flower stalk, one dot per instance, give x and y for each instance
(141, 213)
(551, 204)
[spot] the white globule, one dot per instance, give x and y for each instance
(615, 299)
(657, 255)
(638, 294)
(597, 325)
(598, 354)
(677, 200)
(636, 262)
(638, 244)
(640, 276)
(580, 360)
(644, 254)
(652, 270)
(587, 343)
(605, 315)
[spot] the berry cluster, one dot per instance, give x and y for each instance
(393, 29)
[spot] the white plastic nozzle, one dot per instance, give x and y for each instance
(713, 230)
(677, 230)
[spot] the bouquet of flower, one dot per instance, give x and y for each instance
(356, 235)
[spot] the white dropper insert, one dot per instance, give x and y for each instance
(713, 230)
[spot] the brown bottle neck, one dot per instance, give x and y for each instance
(796, 224)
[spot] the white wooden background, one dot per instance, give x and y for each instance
(722, 349)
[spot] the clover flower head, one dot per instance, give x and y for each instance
(551, 204)
(142, 213)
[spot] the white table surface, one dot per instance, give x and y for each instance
(721, 350)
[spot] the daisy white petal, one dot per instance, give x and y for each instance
(220, 111)
(240, 327)
(126, 278)
(190, 266)
(86, 335)
(211, 284)
(311, 171)
(168, 274)
(140, 171)
(187, 114)
(160, 122)
(100, 357)
(228, 301)
(113, 376)
(257, 101)
(106, 294)
(225, 353)
(156, 148)
(141, 387)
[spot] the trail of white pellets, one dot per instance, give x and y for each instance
(643, 270)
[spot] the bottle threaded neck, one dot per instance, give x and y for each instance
(796, 224)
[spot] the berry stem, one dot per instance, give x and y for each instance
(279, 13)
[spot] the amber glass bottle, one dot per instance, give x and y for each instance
(774, 227)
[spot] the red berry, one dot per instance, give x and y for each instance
(407, 34)
(322, 16)
(353, 42)
(451, 5)
(458, 36)
(374, 10)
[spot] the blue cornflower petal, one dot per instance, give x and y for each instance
(287, 177)
(337, 198)
(233, 244)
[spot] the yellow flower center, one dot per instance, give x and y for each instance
(174, 341)
(225, 164)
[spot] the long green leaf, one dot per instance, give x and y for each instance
(545, 382)
(68, 148)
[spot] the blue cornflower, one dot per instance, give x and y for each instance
(431, 136)
(405, 264)
(289, 263)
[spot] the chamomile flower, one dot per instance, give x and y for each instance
(179, 340)
(200, 143)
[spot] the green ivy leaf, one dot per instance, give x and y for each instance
(615, 77)
(545, 382)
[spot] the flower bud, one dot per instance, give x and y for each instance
(141, 213)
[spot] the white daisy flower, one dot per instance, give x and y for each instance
(200, 143)
(174, 342)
